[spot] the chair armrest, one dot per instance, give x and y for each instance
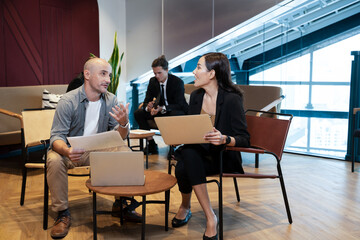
(35, 165)
(271, 105)
(12, 114)
(249, 175)
(248, 150)
(355, 110)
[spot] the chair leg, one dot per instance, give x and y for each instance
(282, 183)
(353, 154)
(171, 152)
(121, 211)
(170, 157)
(256, 160)
(24, 175)
(46, 202)
(221, 219)
(169, 167)
(141, 144)
(23, 185)
(352, 163)
(167, 201)
(236, 189)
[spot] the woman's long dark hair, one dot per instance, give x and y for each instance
(221, 66)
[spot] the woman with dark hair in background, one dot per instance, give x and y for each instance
(222, 101)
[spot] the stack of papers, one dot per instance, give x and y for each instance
(105, 140)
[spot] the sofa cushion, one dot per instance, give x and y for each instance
(50, 100)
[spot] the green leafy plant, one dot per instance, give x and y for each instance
(115, 62)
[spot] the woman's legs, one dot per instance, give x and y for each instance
(193, 165)
(184, 206)
(185, 189)
(204, 200)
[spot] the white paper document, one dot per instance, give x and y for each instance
(139, 131)
(105, 140)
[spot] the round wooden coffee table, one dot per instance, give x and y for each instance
(155, 182)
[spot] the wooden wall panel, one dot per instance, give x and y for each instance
(46, 41)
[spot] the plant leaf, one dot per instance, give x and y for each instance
(113, 61)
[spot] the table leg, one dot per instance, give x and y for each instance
(141, 144)
(147, 152)
(121, 211)
(167, 200)
(94, 216)
(143, 217)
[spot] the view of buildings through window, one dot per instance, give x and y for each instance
(317, 84)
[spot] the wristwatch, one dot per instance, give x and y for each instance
(228, 140)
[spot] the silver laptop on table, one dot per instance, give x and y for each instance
(117, 168)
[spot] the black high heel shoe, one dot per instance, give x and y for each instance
(181, 222)
(213, 237)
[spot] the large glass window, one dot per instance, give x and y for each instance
(317, 85)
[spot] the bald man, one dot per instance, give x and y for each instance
(87, 110)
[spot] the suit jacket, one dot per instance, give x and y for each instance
(229, 120)
(174, 93)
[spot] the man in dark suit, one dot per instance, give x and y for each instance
(164, 97)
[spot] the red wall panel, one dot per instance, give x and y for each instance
(2, 47)
(56, 39)
(85, 22)
(46, 41)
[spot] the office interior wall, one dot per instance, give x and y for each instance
(143, 35)
(187, 23)
(112, 18)
(229, 13)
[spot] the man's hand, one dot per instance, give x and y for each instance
(150, 105)
(74, 154)
(121, 114)
(155, 111)
(62, 148)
